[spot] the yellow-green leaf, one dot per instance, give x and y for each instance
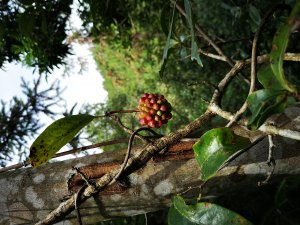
(55, 136)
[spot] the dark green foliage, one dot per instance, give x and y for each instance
(34, 32)
(19, 120)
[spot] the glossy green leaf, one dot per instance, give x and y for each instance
(279, 45)
(204, 213)
(194, 48)
(55, 136)
(215, 147)
(254, 14)
(168, 44)
(264, 103)
(175, 218)
(266, 77)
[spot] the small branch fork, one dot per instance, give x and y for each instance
(253, 64)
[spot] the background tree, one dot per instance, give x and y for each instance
(19, 119)
(34, 32)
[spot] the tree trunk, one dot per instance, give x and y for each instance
(28, 195)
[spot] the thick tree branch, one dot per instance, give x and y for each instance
(27, 195)
(134, 163)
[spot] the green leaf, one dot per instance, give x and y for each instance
(168, 45)
(55, 136)
(279, 45)
(266, 77)
(204, 213)
(215, 147)
(194, 54)
(254, 14)
(264, 103)
(175, 218)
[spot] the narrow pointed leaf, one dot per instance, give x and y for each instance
(194, 48)
(168, 45)
(279, 45)
(55, 136)
(215, 147)
(205, 213)
(195, 54)
(254, 14)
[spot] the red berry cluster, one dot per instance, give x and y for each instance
(155, 110)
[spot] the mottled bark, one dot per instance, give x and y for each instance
(28, 195)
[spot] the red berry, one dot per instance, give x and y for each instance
(163, 108)
(143, 121)
(150, 96)
(141, 100)
(159, 123)
(152, 111)
(146, 95)
(151, 123)
(152, 101)
(148, 117)
(155, 106)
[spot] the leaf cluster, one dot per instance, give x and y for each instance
(34, 32)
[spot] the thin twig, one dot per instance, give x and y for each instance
(266, 127)
(209, 40)
(126, 129)
(76, 204)
(271, 161)
(80, 191)
(72, 151)
(129, 151)
(253, 64)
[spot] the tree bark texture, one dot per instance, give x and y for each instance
(29, 194)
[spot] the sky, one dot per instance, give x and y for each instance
(81, 88)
